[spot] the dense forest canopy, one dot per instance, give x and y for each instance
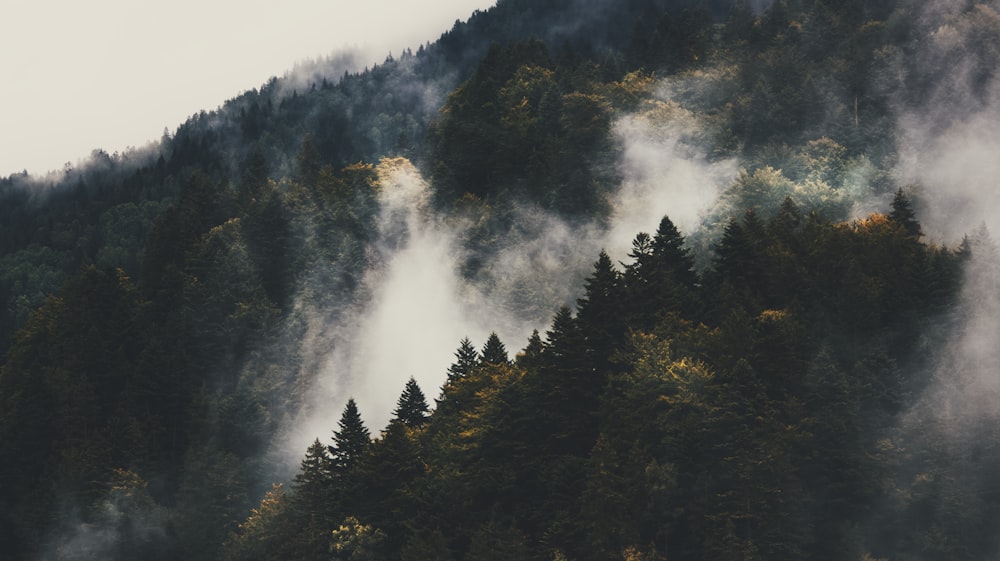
(580, 280)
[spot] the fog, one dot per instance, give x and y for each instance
(112, 74)
(948, 153)
(416, 306)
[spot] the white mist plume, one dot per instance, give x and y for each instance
(666, 171)
(949, 144)
(417, 306)
(949, 149)
(414, 311)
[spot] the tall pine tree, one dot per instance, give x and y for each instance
(351, 441)
(494, 351)
(466, 358)
(411, 409)
(902, 214)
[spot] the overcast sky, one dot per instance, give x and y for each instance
(75, 75)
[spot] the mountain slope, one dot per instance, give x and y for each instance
(176, 317)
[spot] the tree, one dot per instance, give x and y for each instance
(411, 409)
(314, 473)
(354, 541)
(661, 279)
(670, 254)
(466, 358)
(262, 536)
(532, 354)
(600, 318)
(903, 215)
(494, 351)
(351, 441)
(312, 501)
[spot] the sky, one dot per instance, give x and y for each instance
(113, 74)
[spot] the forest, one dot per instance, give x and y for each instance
(716, 280)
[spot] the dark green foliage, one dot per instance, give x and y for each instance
(466, 358)
(494, 351)
(154, 305)
(902, 214)
(411, 408)
(522, 127)
(757, 433)
(351, 441)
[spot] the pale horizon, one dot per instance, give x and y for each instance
(113, 75)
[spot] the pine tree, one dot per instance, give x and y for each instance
(315, 469)
(569, 387)
(600, 317)
(902, 214)
(670, 254)
(311, 501)
(531, 356)
(312, 483)
(641, 254)
(411, 409)
(494, 351)
(466, 358)
(661, 279)
(351, 441)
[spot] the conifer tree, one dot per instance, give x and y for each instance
(661, 279)
(532, 354)
(494, 351)
(312, 499)
(600, 318)
(568, 387)
(670, 254)
(902, 214)
(351, 441)
(452, 395)
(641, 254)
(411, 408)
(315, 468)
(466, 358)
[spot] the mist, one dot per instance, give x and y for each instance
(112, 75)
(416, 305)
(948, 154)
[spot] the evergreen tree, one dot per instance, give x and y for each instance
(600, 317)
(466, 358)
(453, 396)
(494, 351)
(352, 440)
(311, 501)
(902, 214)
(314, 472)
(386, 475)
(532, 354)
(670, 255)
(411, 408)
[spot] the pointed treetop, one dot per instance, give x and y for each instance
(466, 359)
(562, 338)
(668, 238)
(600, 299)
(530, 357)
(902, 214)
(642, 250)
(353, 438)
(315, 469)
(494, 351)
(411, 408)
(787, 219)
(641, 245)
(670, 254)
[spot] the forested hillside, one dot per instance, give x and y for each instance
(794, 360)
